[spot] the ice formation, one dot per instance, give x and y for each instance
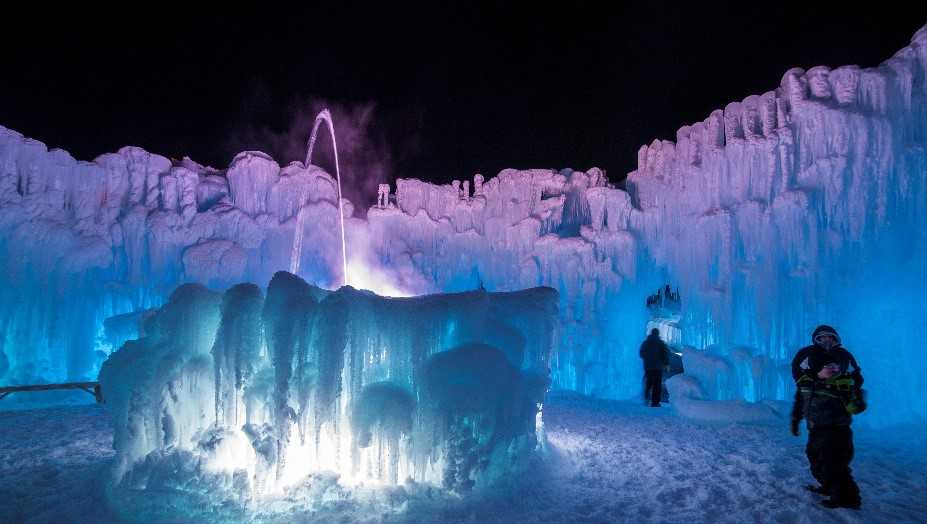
(802, 205)
(246, 395)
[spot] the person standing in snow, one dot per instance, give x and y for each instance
(655, 355)
(829, 393)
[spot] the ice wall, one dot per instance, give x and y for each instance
(803, 205)
(247, 396)
(567, 229)
(81, 242)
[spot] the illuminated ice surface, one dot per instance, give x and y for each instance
(244, 398)
(803, 205)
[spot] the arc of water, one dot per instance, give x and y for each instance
(323, 116)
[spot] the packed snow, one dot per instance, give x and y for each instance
(605, 461)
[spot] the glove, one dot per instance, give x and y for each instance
(857, 403)
(793, 427)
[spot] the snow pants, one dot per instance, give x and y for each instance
(830, 451)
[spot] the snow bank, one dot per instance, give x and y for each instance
(687, 397)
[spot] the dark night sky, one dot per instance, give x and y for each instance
(456, 90)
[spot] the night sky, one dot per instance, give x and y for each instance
(437, 93)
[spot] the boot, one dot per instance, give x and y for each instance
(820, 490)
(831, 503)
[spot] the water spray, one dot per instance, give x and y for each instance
(323, 116)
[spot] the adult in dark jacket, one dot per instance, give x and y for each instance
(655, 355)
(828, 381)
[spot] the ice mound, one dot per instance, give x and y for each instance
(240, 397)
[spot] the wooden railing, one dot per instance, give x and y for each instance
(90, 387)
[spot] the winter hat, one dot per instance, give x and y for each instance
(822, 331)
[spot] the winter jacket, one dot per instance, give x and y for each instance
(654, 353)
(821, 402)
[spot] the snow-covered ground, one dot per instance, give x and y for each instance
(607, 462)
(53, 463)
